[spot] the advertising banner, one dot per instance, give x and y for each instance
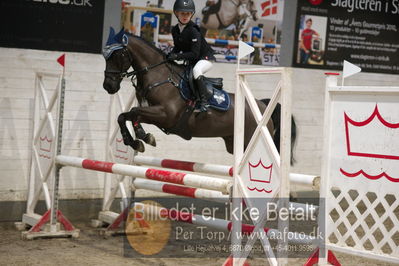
(62, 25)
(363, 32)
(222, 22)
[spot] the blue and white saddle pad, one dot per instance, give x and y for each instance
(219, 100)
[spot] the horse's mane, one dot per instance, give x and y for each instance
(156, 49)
(149, 44)
(118, 39)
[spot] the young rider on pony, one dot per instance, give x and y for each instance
(191, 46)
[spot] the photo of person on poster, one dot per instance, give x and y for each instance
(311, 36)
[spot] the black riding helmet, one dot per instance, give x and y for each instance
(184, 6)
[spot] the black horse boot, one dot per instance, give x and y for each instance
(203, 93)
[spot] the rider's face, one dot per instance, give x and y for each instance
(184, 17)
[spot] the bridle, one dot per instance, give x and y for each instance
(126, 74)
(120, 74)
(114, 74)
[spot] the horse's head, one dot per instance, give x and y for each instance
(117, 59)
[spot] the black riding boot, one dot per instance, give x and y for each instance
(203, 93)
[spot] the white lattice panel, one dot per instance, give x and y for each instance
(361, 171)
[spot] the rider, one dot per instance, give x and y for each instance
(191, 46)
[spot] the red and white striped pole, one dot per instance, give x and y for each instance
(190, 192)
(199, 193)
(190, 180)
(216, 169)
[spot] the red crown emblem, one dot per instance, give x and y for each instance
(373, 138)
(45, 147)
(261, 174)
(258, 174)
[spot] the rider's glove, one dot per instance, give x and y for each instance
(172, 56)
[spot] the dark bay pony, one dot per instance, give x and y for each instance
(156, 85)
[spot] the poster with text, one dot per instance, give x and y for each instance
(363, 32)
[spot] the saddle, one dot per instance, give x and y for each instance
(217, 98)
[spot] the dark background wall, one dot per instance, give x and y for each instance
(60, 25)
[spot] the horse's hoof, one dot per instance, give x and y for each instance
(149, 139)
(138, 146)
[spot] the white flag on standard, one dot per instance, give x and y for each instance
(350, 69)
(244, 49)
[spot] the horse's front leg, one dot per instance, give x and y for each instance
(127, 137)
(141, 134)
(151, 115)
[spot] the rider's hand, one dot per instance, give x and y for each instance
(172, 56)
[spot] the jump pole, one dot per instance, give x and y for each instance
(197, 193)
(191, 180)
(216, 169)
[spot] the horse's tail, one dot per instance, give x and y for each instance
(276, 118)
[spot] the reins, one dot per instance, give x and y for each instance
(156, 84)
(145, 69)
(127, 74)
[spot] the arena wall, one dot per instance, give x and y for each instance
(86, 108)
